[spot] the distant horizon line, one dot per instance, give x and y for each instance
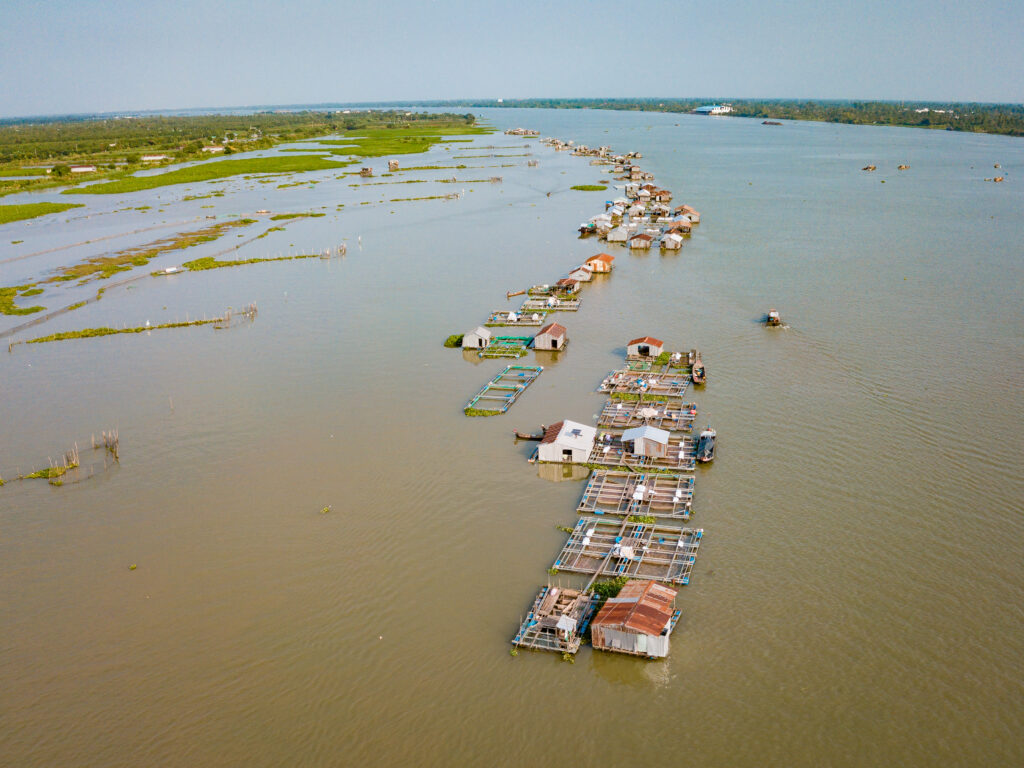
(500, 102)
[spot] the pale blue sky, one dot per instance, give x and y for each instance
(62, 56)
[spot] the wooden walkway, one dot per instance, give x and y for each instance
(615, 548)
(671, 416)
(631, 493)
(557, 620)
(500, 318)
(507, 346)
(610, 452)
(498, 395)
(551, 304)
(626, 382)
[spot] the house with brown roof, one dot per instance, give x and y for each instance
(640, 241)
(638, 621)
(602, 263)
(567, 286)
(645, 346)
(551, 336)
(583, 273)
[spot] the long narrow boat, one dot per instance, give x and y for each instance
(706, 444)
(698, 372)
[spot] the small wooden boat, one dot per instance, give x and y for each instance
(510, 294)
(868, 168)
(706, 444)
(698, 373)
(772, 319)
(526, 436)
(770, 122)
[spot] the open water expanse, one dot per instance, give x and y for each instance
(857, 599)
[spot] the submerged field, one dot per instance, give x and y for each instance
(9, 213)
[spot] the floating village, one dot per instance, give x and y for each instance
(632, 541)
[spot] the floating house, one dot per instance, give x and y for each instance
(551, 336)
(646, 441)
(618, 235)
(567, 442)
(600, 264)
(582, 273)
(366, 172)
(638, 621)
(567, 285)
(671, 241)
(476, 339)
(645, 346)
(392, 165)
(689, 211)
(641, 241)
(557, 620)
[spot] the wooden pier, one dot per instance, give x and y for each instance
(638, 550)
(557, 620)
(633, 384)
(630, 493)
(663, 414)
(551, 304)
(500, 317)
(507, 346)
(498, 395)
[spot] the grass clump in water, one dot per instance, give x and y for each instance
(283, 216)
(481, 412)
(9, 213)
(589, 187)
(455, 340)
(209, 262)
(7, 305)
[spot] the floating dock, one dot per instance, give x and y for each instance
(552, 304)
(498, 395)
(507, 346)
(616, 548)
(663, 414)
(557, 621)
(654, 494)
(501, 317)
(609, 451)
(631, 383)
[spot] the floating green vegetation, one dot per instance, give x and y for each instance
(186, 198)
(216, 169)
(470, 157)
(283, 216)
(589, 187)
(611, 587)
(455, 340)
(92, 333)
(7, 306)
(481, 412)
(209, 262)
(407, 199)
(9, 213)
(649, 519)
(47, 474)
(31, 292)
(272, 229)
(16, 242)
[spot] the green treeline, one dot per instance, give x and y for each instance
(1006, 119)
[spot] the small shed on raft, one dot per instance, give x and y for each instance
(618, 235)
(551, 336)
(600, 264)
(366, 172)
(638, 621)
(647, 441)
(567, 442)
(671, 241)
(567, 286)
(392, 165)
(645, 346)
(476, 339)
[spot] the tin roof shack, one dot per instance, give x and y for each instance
(638, 621)
(567, 442)
(567, 286)
(686, 210)
(645, 346)
(551, 336)
(600, 264)
(582, 273)
(392, 165)
(671, 241)
(618, 235)
(641, 241)
(647, 441)
(476, 339)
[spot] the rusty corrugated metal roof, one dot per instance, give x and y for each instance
(644, 607)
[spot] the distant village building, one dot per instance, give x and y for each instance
(551, 336)
(82, 168)
(638, 621)
(567, 442)
(476, 339)
(602, 263)
(645, 346)
(714, 109)
(583, 273)
(647, 441)
(213, 148)
(155, 158)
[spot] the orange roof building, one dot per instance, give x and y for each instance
(638, 621)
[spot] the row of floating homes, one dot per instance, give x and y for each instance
(522, 132)
(633, 515)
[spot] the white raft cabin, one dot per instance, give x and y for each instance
(551, 337)
(644, 347)
(478, 338)
(567, 442)
(637, 621)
